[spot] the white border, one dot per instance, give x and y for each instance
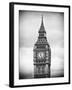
(16, 46)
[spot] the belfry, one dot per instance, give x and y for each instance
(42, 54)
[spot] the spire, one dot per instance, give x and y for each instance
(42, 20)
(42, 40)
(42, 29)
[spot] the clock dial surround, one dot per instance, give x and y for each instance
(41, 55)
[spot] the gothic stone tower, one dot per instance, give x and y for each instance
(42, 55)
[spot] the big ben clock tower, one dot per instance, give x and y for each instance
(42, 55)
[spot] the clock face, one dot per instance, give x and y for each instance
(40, 55)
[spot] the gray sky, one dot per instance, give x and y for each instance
(29, 25)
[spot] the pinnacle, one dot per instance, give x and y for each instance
(42, 29)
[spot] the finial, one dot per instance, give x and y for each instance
(41, 19)
(42, 30)
(42, 16)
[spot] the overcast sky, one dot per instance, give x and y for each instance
(29, 24)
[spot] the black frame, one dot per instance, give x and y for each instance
(11, 42)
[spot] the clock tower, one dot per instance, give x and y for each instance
(42, 55)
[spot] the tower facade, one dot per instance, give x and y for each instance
(42, 55)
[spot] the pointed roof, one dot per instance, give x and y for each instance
(42, 29)
(42, 40)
